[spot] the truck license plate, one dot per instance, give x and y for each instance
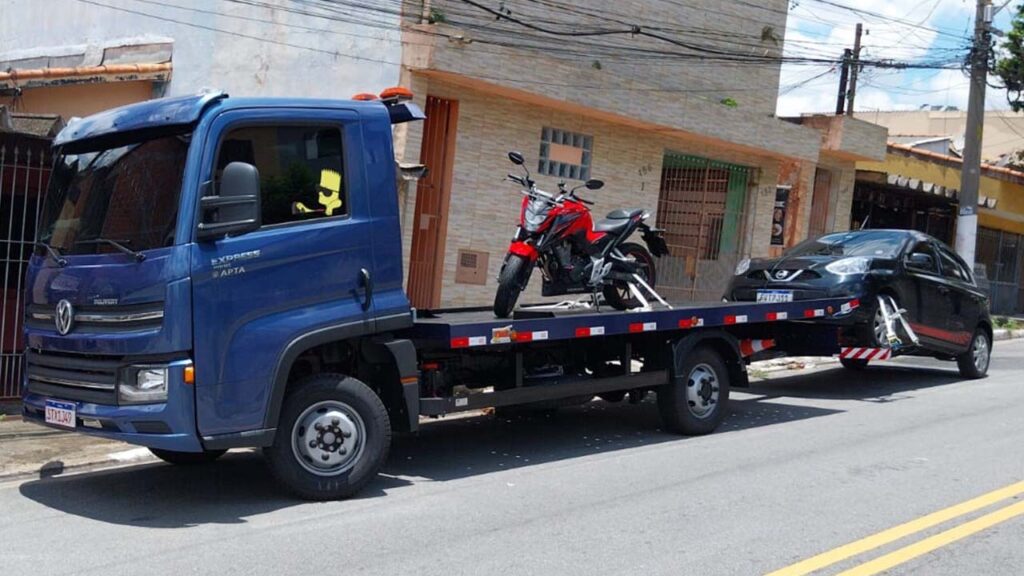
(774, 296)
(60, 413)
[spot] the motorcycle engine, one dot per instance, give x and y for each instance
(572, 267)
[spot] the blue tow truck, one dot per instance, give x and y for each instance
(215, 272)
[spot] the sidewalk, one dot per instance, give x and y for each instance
(29, 450)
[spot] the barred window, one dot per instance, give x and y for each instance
(565, 154)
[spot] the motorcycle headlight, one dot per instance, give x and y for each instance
(852, 265)
(143, 385)
(743, 266)
(536, 214)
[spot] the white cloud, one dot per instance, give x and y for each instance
(823, 30)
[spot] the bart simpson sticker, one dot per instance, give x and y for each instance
(329, 195)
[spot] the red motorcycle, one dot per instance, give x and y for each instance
(575, 255)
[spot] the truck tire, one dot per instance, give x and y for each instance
(695, 403)
(617, 294)
(514, 276)
(333, 437)
(187, 458)
(974, 362)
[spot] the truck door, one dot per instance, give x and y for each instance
(305, 269)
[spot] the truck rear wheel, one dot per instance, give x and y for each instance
(694, 402)
(333, 437)
(187, 458)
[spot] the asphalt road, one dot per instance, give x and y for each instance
(803, 465)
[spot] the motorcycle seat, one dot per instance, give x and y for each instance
(616, 220)
(623, 214)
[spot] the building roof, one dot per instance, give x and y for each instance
(990, 170)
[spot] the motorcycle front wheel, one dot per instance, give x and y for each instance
(617, 294)
(511, 281)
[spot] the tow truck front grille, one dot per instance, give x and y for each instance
(73, 377)
(100, 319)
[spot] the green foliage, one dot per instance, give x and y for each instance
(1006, 322)
(730, 102)
(596, 65)
(1010, 67)
(437, 16)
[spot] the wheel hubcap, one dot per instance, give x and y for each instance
(880, 330)
(981, 352)
(702, 391)
(328, 438)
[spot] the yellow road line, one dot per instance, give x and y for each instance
(897, 557)
(895, 533)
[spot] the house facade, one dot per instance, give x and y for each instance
(685, 132)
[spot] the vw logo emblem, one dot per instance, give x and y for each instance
(781, 275)
(65, 317)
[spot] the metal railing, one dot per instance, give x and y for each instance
(24, 174)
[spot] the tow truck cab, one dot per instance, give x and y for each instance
(194, 250)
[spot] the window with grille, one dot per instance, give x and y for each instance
(565, 154)
(700, 206)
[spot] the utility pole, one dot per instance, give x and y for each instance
(970, 173)
(841, 99)
(854, 67)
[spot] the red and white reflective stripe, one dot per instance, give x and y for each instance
(693, 322)
(751, 347)
(585, 331)
(851, 305)
(865, 353)
(643, 326)
(531, 336)
(773, 316)
(467, 341)
(815, 313)
(739, 319)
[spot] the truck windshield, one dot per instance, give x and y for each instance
(128, 194)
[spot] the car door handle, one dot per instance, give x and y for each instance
(368, 285)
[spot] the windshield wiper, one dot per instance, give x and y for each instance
(54, 253)
(119, 244)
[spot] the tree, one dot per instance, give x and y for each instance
(1010, 65)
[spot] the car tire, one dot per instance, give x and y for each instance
(856, 364)
(690, 405)
(974, 362)
(333, 437)
(187, 458)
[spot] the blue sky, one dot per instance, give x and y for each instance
(911, 31)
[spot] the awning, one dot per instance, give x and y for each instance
(918, 185)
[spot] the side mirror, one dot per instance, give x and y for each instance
(921, 261)
(594, 184)
(236, 210)
(516, 158)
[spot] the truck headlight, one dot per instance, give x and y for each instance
(852, 265)
(143, 385)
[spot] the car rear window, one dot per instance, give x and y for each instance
(875, 244)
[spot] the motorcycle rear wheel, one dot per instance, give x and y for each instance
(617, 294)
(511, 281)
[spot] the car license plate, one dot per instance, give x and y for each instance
(60, 413)
(774, 296)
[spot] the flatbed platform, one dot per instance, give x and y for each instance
(471, 328)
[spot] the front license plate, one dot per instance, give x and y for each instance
(774, 296)
(60, 413)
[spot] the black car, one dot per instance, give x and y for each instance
(944, 305)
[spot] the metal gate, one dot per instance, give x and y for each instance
(701, 209)
(24, 175)
(1002, 253)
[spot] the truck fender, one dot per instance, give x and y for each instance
(727, 346)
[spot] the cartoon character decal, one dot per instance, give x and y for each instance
(329, 195)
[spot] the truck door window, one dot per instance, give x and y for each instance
(302, 175)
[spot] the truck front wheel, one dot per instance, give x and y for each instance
(333, 437)
(694, 401)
